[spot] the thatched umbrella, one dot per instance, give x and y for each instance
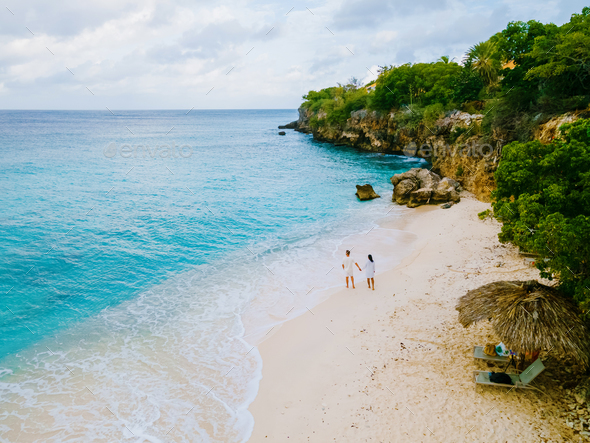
(528, 317)
(480, 304)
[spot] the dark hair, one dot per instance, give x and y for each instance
(347, 252)
(371, 258)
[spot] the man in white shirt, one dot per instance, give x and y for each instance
(348, 266)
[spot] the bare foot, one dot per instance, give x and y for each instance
(373, 289)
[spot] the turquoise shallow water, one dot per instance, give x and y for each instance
(137, 234)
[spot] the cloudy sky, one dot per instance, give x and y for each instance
(146, 54)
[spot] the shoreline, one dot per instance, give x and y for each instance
(387, 232)
(394, 364)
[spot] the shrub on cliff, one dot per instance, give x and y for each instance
(433, 112)
(336, 102)
(351, 100)
(410, 117)
(543, 201)
(314, 100)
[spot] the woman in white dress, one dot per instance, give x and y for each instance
(370, 271)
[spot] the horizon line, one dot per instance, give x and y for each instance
(158, 109)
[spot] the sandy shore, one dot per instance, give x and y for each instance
(394, 364)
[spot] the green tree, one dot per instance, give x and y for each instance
(483, 59)
(467, 85)
(562, 58)
(516, 41)
(421, 83)
(551, 73)
(515, 44)
(543, 201)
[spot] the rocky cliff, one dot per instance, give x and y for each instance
(453, 144)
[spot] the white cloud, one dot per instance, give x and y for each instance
(354, 14)
(137, 54)
(385, 37)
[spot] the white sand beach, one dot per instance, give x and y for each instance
(394, 364)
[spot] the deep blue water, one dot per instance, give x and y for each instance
(87, 222)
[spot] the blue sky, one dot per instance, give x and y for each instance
(143, 54)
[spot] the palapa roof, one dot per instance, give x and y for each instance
(528, 316)
(479, 304)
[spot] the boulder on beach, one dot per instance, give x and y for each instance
(421, 186)
(366, 192)
(291, 125)
(282, 132)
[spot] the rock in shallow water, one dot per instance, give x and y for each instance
(282, 132)
(292, 125)
(366, 192)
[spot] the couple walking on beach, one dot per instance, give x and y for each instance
(348, 266)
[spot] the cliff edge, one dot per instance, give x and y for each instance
(453, 144)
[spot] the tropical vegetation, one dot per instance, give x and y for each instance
(527, 69)
(518, 78)
(543, 200)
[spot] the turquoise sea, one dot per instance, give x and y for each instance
(138, 251)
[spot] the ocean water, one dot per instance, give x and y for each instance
(144, 254)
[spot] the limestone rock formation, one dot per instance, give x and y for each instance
(549, 131)
(366, 192)
(420, 186)
(459, 119)
(454, 144)
(303, 123)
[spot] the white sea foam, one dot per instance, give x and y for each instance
(177, 362)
